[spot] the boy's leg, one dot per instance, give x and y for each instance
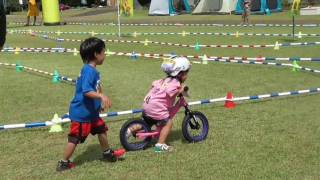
(103, 141)
(69, 151)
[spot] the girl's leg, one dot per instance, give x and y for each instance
(28, 20)
(165, 132)
(69, 151)
(34, 20)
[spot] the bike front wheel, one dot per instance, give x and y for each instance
(195, 127)
(128, 137)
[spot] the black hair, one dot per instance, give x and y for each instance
(90, 47)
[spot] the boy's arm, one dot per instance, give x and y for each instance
(105, 101)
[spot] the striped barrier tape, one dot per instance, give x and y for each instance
(183, 45)
(156, 55)
(64, 78)
(182, 24)
(65, 118)
(183, 33)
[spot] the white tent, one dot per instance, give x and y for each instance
(215, 6)
(159, 7)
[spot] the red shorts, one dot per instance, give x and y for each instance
(80, 131)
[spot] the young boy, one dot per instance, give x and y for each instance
(86, 105)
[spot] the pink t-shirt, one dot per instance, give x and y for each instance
(161, 97)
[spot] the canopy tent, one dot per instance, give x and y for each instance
(260, 6)
(257, 7)
(168, 7)
(215, 6)
(274, 5)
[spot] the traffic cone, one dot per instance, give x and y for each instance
(229, 101)
(295, 66)
(55, 77)
(276, 46)
(56, 127)
(92, 33)
(197, 46)
(204, 59)
(237, 34)
(19, 67)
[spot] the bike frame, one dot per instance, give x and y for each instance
(156, 133)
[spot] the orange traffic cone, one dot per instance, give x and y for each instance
(229, 101)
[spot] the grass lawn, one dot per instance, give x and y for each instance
(270, 139)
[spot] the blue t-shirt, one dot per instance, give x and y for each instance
(83, 108)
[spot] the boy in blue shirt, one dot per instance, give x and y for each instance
(86, 105)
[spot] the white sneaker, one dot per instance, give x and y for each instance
(162, 148)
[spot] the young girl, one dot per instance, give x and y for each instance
(158, 106)
(246, 12)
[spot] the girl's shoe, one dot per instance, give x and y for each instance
(162, 148)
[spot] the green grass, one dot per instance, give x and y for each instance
(269, 139)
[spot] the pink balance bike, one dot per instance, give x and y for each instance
(195, 128)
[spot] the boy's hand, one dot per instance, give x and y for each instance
(105, 102)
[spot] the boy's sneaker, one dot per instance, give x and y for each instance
(113, 155)
(64, 165)
(162, 148)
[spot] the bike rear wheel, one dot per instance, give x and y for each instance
(128, 138)
(195, 127)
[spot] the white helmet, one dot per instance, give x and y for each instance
(174, 65)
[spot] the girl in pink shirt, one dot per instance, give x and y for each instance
(159, 105)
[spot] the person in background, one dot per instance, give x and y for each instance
(3, 24)
(246, 12)
(32, 11)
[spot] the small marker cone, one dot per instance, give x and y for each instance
(92, 33)
(183, 33)
(259, 58)
(133, 56)
(134, 34)
(197, 46)
(204, 59)
(56, 127)
(295, 66)
(276, 46)
(75, 52)
(19, 67)
(146, 42)
(300, 35)
(55, 77)
(17, 51)
(229, 101)
(108, 52)
(58, 33)
(237, 34)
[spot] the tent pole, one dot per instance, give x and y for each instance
(119, 26)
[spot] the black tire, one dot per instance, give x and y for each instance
(191, 125)
(131, 143)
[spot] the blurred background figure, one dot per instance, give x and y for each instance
(3, 24)
(32, 11)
